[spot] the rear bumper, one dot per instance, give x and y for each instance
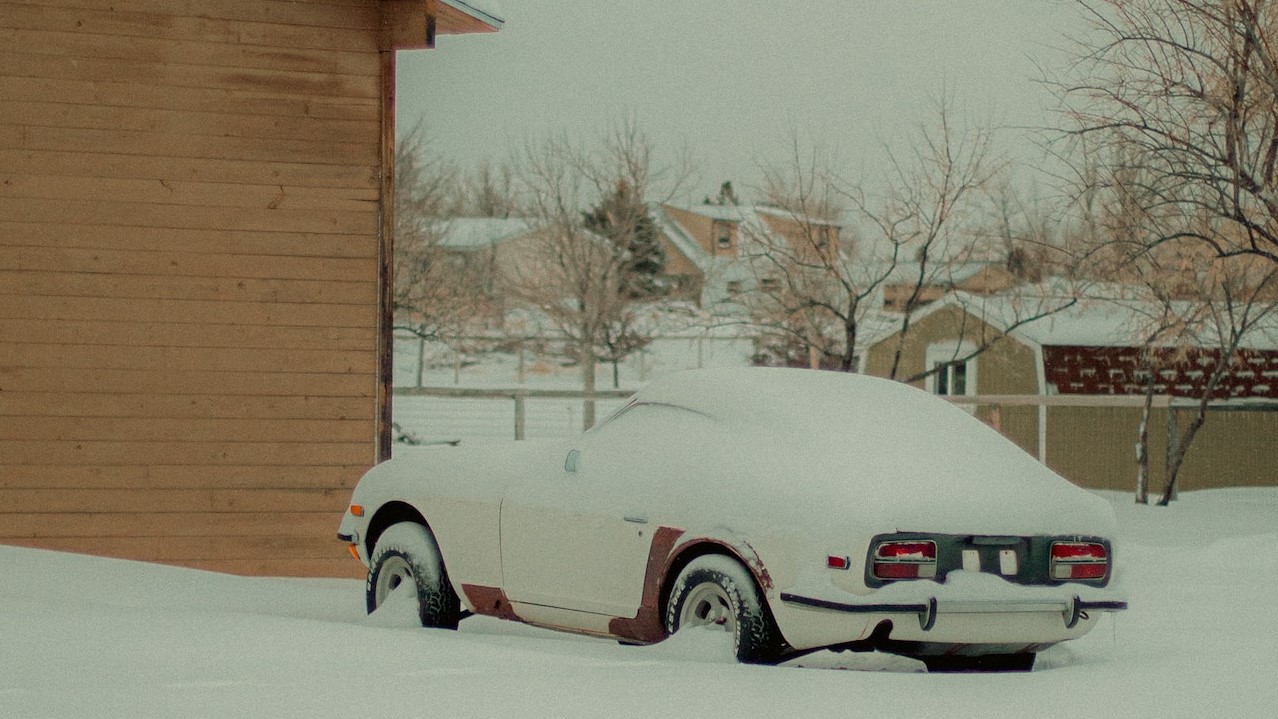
(1071, 610)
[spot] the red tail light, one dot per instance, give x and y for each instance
(1079, 560)
(913, 559)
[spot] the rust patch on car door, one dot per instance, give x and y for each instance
(490, 601)
(647, 625)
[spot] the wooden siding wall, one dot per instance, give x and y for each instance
(189, 225)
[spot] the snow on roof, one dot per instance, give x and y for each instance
(955, 273)
(473, 233)
(1102, 317)
(680, 238)
(794, 216)
(727, 213)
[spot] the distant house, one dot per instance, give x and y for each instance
(487, 248)
(195, 243)
(1089, 349)
(708, 247)
(975, 277)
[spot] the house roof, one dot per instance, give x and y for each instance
(467, 14)
(729, 213)
(680, 238)
(1102, 317)
(794, 216)
(908, 272)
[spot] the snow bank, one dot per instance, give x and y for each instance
(110, 639)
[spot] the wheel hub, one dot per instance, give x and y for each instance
(395, 571)
(708, 605)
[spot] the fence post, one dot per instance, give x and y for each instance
(519, 414)
(421, 358)
(521, 370)
(1173, 439)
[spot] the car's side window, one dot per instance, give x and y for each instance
(643, 427)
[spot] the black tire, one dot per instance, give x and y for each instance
(407, 552)
(1022, 662)
(717, 591)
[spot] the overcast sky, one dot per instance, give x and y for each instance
(730, 79)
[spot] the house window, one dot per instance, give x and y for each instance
(734, 288)
(723, 236)
(769, 284)
(950, 378)
(950, 374)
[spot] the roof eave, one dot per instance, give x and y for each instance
(493, 22)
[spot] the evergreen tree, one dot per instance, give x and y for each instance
(622, 218)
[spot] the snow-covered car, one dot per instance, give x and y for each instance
(799, 510)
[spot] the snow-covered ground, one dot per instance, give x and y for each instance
(89, 637)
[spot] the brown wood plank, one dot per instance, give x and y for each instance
(143, 333)
(22, 15)
(216, 54)
(128, 214)
(176, 74)
(185, 311)
(57, 237)
(103, 429)
(192, 453)
(157, 476)
(182, 122)
(205, 147)
(118, 381)
(50, 405)
(236, 101)
(195, 288)
(284, 12)
(201, 359)
(185, 193)
(176, 524)
(58, 501)
(94, 163)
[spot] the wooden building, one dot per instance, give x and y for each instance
(195, 203)
(1088, 356)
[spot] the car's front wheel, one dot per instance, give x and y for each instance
(718, 593)
(407, 556)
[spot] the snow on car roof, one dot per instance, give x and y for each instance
(777, 397)
(884, 443)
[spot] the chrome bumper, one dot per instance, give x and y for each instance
(1072, 610)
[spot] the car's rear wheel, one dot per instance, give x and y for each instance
(1020, 662)
(407, 556)
(718, 593)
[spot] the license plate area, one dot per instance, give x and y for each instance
(1020, 560)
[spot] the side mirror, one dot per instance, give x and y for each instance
(573, 461)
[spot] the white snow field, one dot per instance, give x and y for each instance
(101, 638)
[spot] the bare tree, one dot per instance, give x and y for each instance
(580, 280)
(490, 191)
(819, 293)
(436, 293)
(935, 188)
(809, 289)
(1186, 89)
(1193, 310)
(1237, 299)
